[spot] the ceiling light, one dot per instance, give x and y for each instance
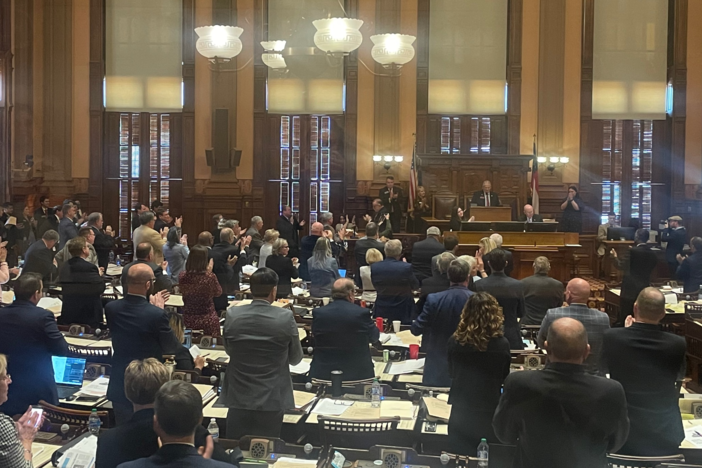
(541, 159)
(338, 35)
(392, 49)
(388, 158)
(219, 42)
(377, 158)
(564, 160)
(553, 159)
(399, 158)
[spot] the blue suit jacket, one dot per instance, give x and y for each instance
(29, 337)
(437, 322)
(394, 282)
(67, 231)
(180, 455)
(139, 330)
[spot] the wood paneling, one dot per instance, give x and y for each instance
(5, 99)
(97, 73)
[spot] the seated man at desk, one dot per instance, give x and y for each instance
(342, 331)
(529, 216)
(485, 197)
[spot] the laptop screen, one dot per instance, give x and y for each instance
(68, 371)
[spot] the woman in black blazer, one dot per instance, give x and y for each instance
(285, 267)
(479, 359)
(184, 360)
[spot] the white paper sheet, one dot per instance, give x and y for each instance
(670, 298)
(97, 388)
(329, 407)
(694, 436)
(300, 369)
(49, 303)
(409, 366)
(249, 270)
(195, 351)
(81, 455)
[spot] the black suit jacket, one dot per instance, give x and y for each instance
(103, 244)
(479, 199)
(508, 267)
(583, 414)
(647, 362)
(537, 218)
(394, 205)
(422, 253)
(29, 337)
(638, 264)
(342, 332)
(363, 245)
(162, 281)
(39, 259)
(39, 213)
(290, 231)
(227, 275)
(82, 287)
(139, 330)
(286, 271)
(509, 292)
(394, 283)
(676, 239)
(45, 224)
(430, 285)
(306, 248)
(384, 225)
(176, 455)
(541, 293)
(690, 271)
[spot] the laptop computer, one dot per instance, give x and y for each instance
(68, 375)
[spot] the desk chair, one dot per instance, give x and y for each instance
(355, 433)
(58, 415)
(101, 355)
(628, 461)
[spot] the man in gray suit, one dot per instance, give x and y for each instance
(541, 293)
(261, 340)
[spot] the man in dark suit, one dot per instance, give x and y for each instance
(394, 282)
(423, 252)
(228, 259)
(529, 216)
(289, 228)
(394, 201)
(136, 438)
(638, 265)
(509, 292)
(256, 239)
(82, 285)
(342, 331)
(381, 218)
(39, 257)
(439, 320)
(437, 283)
(595, 322)
(139, 329)
(485, 197)
(262, 342)
(104, 242)
(29, 337)
(676, 236)
(541, 293)
(647, 362)
(450, 246)
(584, 415)
(51, 222)
(145, 256)
(690, 269)
(306, 248)
(497, 238)
(42, 212)
(139, 208)
(67, 228)
(363, 245)
(177, 415)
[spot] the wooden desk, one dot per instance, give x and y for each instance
(516, 239)
(41, 454)
(491, 213)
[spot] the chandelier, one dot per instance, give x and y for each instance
(219, 43)
(273, 56)
(392, 49)
(338, 35)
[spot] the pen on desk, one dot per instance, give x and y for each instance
(205, 354)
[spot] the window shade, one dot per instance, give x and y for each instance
(467, 57)
(143, 55)
(629, 59)
(311, 85)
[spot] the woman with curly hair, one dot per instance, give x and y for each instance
(479, 359)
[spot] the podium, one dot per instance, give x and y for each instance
(491, 213)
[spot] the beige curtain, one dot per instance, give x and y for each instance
(467, 57)
(630, 59)
(143, 55)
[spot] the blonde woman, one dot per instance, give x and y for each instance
(478, 359)
(284, 266)
(486, 245)
(369, 294)
(269, 239)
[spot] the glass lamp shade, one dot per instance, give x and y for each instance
(391, 49)
(338, 35)
(272, 55)
(219, 41)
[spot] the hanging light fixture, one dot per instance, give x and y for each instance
(273, 56)
(219, 43)
(392, 49)
(338, 35)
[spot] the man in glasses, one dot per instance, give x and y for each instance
(139, 329)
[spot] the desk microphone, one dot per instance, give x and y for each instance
(444, 459)
(213, 379)
(308, 448)
(64, 431)
(308, 386)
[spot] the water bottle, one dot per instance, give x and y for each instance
(111, 257)
(118, 261)
(20, 262)
(94, 422)
(213, 429)
(483, 452)
(375, 394)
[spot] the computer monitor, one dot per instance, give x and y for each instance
(68, 370)
(508, 226)
(541, 227)
(475, 226)
(621, 233)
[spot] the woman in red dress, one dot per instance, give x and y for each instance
(199, 286)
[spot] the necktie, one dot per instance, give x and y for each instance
(487, 199)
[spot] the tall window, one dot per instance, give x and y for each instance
(477, 131)
(320, 164)
(144, 175)
(627, 144)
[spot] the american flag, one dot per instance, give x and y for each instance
(413, 181)
(535, 180)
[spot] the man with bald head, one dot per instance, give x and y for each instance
(485, 197)
(307, 246)
(647, 361)
(595, 322)
(229, 257)
(529, 216)
(139, 328)
(342, 331)
(562, 416)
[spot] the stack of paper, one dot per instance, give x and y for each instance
(97, 388)
(303, 399)
(329, 407)
(7, 297)
(392, 408)
(437, 410)
(693, 435)
(207, 391)
(285, 462)
(52, 304)
(408, 338)
(409, 366)
(81, 455)
(249, 270)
